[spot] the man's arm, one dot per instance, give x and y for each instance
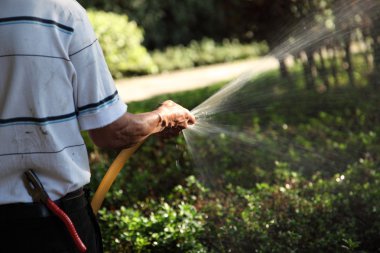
(131, 129)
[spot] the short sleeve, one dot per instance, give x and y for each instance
(96, 98)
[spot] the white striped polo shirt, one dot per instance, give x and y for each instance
(54, 83)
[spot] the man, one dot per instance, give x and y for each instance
(54, 84)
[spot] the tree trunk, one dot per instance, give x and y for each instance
(308, 69)
(348, 60)
(283, 69)
(322, 69)
(376, 51)
(334, 64)
(375, 35)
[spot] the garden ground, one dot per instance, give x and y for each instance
(140, 88)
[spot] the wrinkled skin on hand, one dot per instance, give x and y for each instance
(173, 118)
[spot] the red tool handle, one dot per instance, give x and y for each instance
(68, 223)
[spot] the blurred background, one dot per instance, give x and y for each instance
(282, 159)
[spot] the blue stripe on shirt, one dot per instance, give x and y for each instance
(90, 108)
(37, 121)
(100, 106)
(36, 21)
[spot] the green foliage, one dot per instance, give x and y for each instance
(168, 22)
(153, 226)
(311, 186)
(338, 214)
(121, 43)
(205, 52)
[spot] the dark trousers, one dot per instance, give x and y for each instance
(40, 232)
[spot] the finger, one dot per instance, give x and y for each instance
(191, 119)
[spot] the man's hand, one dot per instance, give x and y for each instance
(173, 117)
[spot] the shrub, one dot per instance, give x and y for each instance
(169, 22)
(338, 214)
(121, 43)
(205, 52)
(157, 227)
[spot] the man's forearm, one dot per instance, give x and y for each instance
(131, 129)
(127, 131)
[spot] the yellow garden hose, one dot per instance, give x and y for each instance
(111, 175)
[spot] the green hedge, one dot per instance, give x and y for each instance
(205, 52)
(121, 43)
(339, 214)
(158, 228)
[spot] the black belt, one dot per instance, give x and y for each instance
(69, 203)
